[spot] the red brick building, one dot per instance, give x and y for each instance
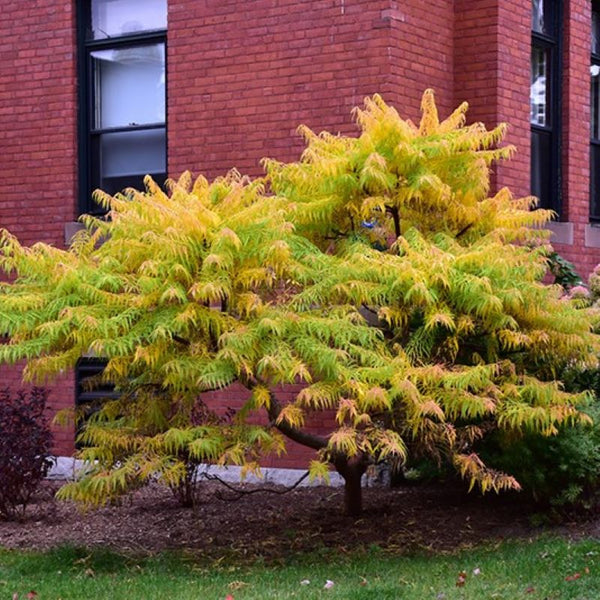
(95, 93)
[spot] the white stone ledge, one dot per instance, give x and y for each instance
(562, 233)
(66, 468)
(592, 236)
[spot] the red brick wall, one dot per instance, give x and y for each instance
(491, 71)
(420, 55)
(476, 58)
(254, 71)
(38, 112)
(296, 456)
(38, 116)
(576, 132)
(576, 111)
(243, 75)
(514, 54)
(60, 395)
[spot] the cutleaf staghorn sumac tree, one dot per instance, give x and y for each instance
(376, 270)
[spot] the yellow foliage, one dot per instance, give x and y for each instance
(376, 271)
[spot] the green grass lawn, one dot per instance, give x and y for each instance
(544, 569)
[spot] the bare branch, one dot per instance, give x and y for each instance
(240, 492)
(311, 440)
(396, 217)
(464, 230)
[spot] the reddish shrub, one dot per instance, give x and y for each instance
(25, 442)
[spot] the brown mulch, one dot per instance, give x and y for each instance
(425, 517)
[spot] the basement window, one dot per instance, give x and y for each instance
(90, 392)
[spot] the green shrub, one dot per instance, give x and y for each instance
(558, 470)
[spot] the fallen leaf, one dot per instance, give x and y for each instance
(329, 584)
(237, 585)
(363, 581)
(530, 590)
(462, 579)
(31, 595)
(573, 577)
(90, 572)
(587, 570)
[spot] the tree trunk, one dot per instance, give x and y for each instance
(353, 493)
(352, 470)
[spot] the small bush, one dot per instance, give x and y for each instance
(559, 470)
(25, 442)
(564, 271)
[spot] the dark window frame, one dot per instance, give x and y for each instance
(90, 398)
(551, 132)
(87, 133)
(594, 142)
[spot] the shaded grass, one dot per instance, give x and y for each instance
(534, 570)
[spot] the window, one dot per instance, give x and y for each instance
(545, 103)
(595, 116)
(90, 392)
(122, 95)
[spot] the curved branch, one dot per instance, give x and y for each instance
(464, 230)
(396, 217)
(314, 441)
(242, 492)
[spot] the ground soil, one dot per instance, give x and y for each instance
(271, 526)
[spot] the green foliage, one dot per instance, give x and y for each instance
(560, 470)
(148, 434)
(376, 271)
(563, 271)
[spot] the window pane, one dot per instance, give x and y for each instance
(112, 18)
(132, 153)
(544, 17)
(541, 167)
(537, 16)
(129, 86)
(595, 182)
(120, 160)
(539, 89)
(595, 101)
(595, 31)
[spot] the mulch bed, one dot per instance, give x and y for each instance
(270, 527)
